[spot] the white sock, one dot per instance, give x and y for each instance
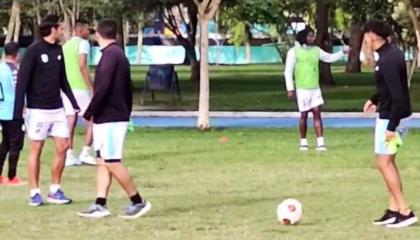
(303, 142)
(34, 191)
(85, 150)
(54, 188)
(320, 141)
(69, 152)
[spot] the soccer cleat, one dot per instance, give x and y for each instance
(403, 221)
(136, 210)
(303, 148)
(16, 181)
(58, 198)
(85, 158)
(36, 200)
(95, 211)
(71, 160)
(388, 217)
(321, 148)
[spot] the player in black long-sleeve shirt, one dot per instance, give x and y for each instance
(110, 111)
(392, 98)
(40, 79)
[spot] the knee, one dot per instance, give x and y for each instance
(62, 147)
(304, 116)
(382, 163)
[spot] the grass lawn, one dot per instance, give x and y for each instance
(261, 88)
(203, 189)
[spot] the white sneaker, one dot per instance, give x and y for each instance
(85, 158)
(95, 211)
(321, 148)
(303, 148)
(71, 160)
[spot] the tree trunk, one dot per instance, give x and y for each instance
(204, 100)
(14, 15)
(192, 59)
(126, 32)
(191, 53)
(120, 37)
(416, 25)
(356, 39)
(247, 43)
(67, 21)
(139, 38)
(18, 23)
(323, 40)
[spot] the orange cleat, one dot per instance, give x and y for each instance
(16, 181)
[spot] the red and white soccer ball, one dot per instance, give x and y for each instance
(289, 212)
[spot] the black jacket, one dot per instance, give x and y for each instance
(392, 96)
(112, 96)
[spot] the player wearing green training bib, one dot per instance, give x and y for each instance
(302, 82)
(76, 51)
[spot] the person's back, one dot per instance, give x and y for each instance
(7, 92)
(113, 73)
(12, 133)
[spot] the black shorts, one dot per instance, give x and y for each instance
(13, 135)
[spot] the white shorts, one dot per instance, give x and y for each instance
(42, 123)
(308, 99)
(381, 126)
(108, 140)
(83, 98)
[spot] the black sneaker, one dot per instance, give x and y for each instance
(388, 218)
(403, 221)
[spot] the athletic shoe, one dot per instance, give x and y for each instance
(58, 198)
(2, 179)
(85, 158)
(71, 160)
(136, 210)
(95, 211)
(36, 200)
(321, 148)
(16, 181)
(403, 221)
(303, 148)
(388, 218)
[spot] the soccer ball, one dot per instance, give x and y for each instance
(289, 212)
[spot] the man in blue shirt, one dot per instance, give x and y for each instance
(12, 133)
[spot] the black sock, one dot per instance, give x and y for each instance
(13, 161)
(101, 201)
(136, 199)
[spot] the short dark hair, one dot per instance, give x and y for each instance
(380, 28)
(302, 35)
(81, 22)
(49, 22)
(107, 29)
(11, 49)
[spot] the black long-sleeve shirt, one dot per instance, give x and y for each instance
(112, 96)
(41, 77)
(392, 96)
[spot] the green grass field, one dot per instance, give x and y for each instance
(261, 88)
(203, 189)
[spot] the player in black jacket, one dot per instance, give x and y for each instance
(41, 78)
(392, 98)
